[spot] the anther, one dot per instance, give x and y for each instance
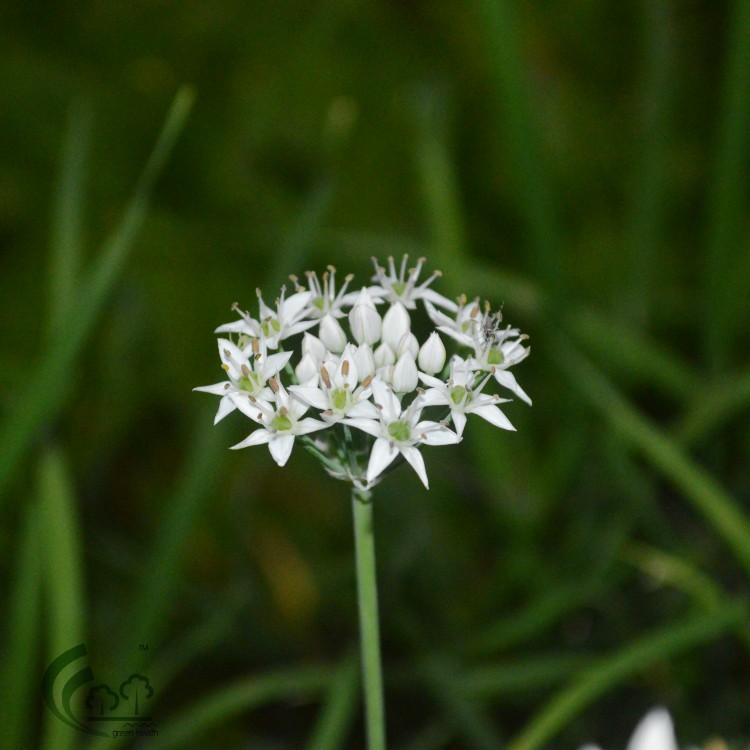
(245, 370)
(225, 367)
(273, 385)
(367, 381)
(326, 378)
(345, 367)
(256, 346)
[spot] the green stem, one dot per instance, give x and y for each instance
(372, 676)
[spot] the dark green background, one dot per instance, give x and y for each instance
(583, 163)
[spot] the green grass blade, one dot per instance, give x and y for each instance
(501, 28)
(705, 494)
(651, 164)
(63, 571)
(20, 669)
(338, 713)
(67, 216)
(719, 404)
(448, 247)
(46, 390)
(727, 201)
(239, 698)
(616, 668)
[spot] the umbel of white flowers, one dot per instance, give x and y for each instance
(353, 397)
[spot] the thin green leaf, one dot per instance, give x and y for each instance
(63, 572)
(238, 698)
(705, 494)
(67, 216)
(618, 667)
(49, 383)
(339, 710)
(20, 671)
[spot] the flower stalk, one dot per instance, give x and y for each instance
(369, 628)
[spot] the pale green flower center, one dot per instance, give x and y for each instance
(495, 357)
(457, 394)
(319, 302)
(249, 383)
(399, 430)
(399, 287)
(271, 324)
(338, 398)
(281, 422)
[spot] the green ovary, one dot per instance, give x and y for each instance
(399, 430)
(319, 302)
(338, 398)
(249, 383)
(457, 394)
(495, 357)
(272, 324)
(398, 287)
(280, 422)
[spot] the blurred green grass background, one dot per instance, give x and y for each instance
(584, 164)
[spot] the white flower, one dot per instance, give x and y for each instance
(337, 394)
(432, 354)
(654, 732)
(274, 325)
(281, 422)
(307, 370)
(314, 346)
(399, 431)
(405, 377)
(457, 394)
(247, 375)
(332, 334)
(365, 361)
(364, 320)
(384, 356)
(324, 300)
(498, 358)
(409, 344)
(402, 287)
(396, 324)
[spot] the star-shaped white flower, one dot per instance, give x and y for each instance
(288, 319)
(247, 375)
(337, 394)
(402, 286)
(461, 398)
(399, 431)
(281, 422)
(324, 299)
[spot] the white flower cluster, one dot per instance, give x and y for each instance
(364, 385)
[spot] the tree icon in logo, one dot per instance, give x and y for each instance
(102, 699)
(137, 687)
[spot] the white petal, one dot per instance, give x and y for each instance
(281, 448)
(273, 364)
(305, 426)
(438, 299)
(655, 732)
(508, 380)
(438, 317)
(254, 438)
(383, 395)
(226, 406)
(240, 326)
(414, 457)
(296, 328)
(405, 376)
(295, 303)
(232, 356)
(459, 421)
(217, 389)
(246, 406)
(439, 435)
(370, 426)
(434, 397)
(462, 338)
(363, 410)
(493, 415)
(383, 453)
(312, 396)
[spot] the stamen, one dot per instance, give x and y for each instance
(225, 367)
(256, 346)
(227, 386)
(345, 367)
(273, 385)
(367, 381)
(325, 376)
(245, 370)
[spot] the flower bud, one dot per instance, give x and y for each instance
(405, 376)
(314, 346)
(432, 355)
(364, 320)
(307, 369)
(384, 356)
(396, 324)
(332, 334)
(365, 361)
(409, 344)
